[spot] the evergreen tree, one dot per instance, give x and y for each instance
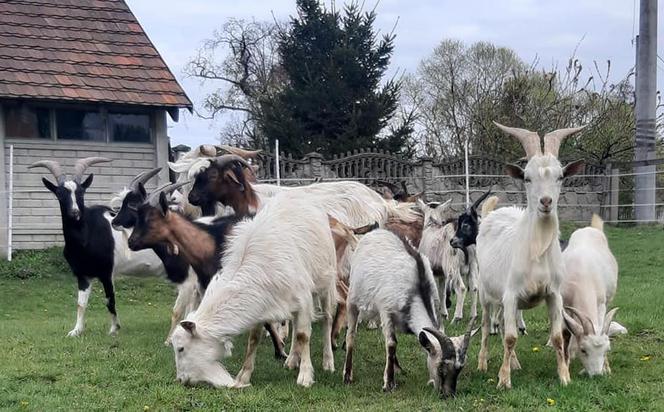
(333, 100)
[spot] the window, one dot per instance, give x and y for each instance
(25, 121)
(127, 127)
(80, 125)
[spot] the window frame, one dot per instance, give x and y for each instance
(102, 110)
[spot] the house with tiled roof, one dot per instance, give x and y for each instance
(78, 78)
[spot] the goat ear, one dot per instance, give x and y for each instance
(573, 326)
(87, 182)
(423, 206)
(514, 171)
(365, 229)
(141, 190)
(232, 177)
(423, 337)
(50, 186)
(163, 203)
(189, 326)
(574, 168)
(608, 318)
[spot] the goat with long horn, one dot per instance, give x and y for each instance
(518, 252)
(92, 249)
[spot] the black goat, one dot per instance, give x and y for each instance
(92, 249)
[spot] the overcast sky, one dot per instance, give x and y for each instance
(548, 30)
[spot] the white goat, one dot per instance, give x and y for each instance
(272, 269)
(391, 279)
(518, 251)
(451, 265)
(589, 285)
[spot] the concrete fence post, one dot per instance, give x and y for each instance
(427, 176)
(315, 164)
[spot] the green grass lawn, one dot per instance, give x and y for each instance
(41, 369)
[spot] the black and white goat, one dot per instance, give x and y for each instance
(92, 249)
(391, 279)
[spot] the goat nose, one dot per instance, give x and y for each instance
(546, 201)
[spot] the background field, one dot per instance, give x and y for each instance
(41, 369)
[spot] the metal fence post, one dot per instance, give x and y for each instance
(10, 201)
(276, 162)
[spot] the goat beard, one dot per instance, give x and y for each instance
(541, 237)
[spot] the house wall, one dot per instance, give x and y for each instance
(36, 214)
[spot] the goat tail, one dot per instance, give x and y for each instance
(597, 222)
(402, 211)
(489, 205)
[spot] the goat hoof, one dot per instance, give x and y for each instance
(389, 387)
(523, 331)
(75, 332)
(114, 330)
(280, 356)
(348, 379)
(305, 380)
(457, 319)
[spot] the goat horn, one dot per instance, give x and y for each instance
(53, 167)
(552, 140)
(207, 150)
(168, 188)
(82, 164)
(143, 177)
(481, 199)
(243, 153)
(445, 343)
(466, 337)
(608, 318)
(223, 160)
(529, 140)
(588, 328)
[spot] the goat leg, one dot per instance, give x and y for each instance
(278, 344)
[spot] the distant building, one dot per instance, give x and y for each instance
(77, 78)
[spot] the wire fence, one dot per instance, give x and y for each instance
(32, 212)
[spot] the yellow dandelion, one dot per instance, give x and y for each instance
(491, 380)
(146, 408)
(536, 349)
(24, 403)
(646, 357)
(550, 402)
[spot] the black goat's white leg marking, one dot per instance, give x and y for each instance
(110, 304)
(84, 290)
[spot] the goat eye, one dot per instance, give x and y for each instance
(527, 180)
(180, 350)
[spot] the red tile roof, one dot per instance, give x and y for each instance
(83, 50)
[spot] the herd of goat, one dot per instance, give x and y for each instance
(247, 256)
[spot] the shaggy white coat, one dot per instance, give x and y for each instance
(273, 267)
(589, 285)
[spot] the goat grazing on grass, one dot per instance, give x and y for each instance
(352, 203)
(92, 249)
(177, 268)
(198, 243)
(391, 279)
(589, 284)
(519, 254)
(272, 270)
